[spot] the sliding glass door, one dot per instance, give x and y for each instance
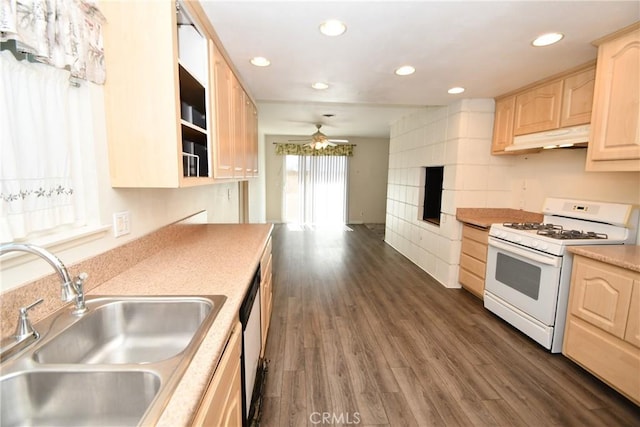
(316, 189)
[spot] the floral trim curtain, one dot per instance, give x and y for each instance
(63, 33)
(305, 150)
(36, 184)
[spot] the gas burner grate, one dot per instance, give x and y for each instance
(531, 226)
(571, 234)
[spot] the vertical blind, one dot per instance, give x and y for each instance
(322, 189)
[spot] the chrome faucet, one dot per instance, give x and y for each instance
(70, 288)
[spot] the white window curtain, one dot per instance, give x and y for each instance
(37, 188)
(317, 189)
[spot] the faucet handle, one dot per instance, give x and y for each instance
(24, 328)
(81, 307)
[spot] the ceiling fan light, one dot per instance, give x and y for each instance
(405, 70)
(260, 61)
(332, 28)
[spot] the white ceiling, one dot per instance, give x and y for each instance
(480, 45)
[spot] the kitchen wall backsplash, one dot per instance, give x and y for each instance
(100, 269)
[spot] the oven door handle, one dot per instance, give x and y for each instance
(528, 254)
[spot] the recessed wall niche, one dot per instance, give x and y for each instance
(432, 193)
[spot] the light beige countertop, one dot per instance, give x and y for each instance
(484, 217)
(625, 256)
(214, 260)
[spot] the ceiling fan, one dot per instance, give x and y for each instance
(319, 140)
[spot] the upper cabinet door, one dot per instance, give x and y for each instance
(577, 98)
(538, 109)
(615, 133)
(224, 147)
(141, 94)
(503, 125)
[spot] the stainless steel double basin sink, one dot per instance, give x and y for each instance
(117, 365)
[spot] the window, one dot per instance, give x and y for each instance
(433, 194)
(48, 181)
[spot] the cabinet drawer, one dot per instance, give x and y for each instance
(471, 282)
(614, 361)
(474, 249)
(601, 295)
(473, 265)
(477, 234)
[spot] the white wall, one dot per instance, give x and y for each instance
(459, 137)
(367, 179)
(150, 209)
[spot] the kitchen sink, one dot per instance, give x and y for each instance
(128, 331)
(68, 398)
(118, 364)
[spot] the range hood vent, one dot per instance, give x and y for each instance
(558, 138)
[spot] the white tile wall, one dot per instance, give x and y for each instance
(457, 136)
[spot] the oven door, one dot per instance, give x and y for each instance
(524, 278)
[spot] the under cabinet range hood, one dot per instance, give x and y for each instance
(557, 138)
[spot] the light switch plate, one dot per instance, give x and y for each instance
(121, 223)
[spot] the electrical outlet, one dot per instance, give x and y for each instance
(121, 223)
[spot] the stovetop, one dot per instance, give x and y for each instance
(555, 231)
(553, 238)
(570, 222)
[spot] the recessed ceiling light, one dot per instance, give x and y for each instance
(320, 86)
(332, 28)
(455, 90)
(260, 61)
(405, 70)
(547, 39)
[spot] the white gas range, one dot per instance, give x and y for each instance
(529, 266)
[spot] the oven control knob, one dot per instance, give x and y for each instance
(544, 246)
(517, 239)
(533, 244)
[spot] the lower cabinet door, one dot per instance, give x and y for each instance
(222, 402)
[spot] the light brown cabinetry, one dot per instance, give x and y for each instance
(559, 101)
(168, 97)
(251, 138)
(237, 119)
(615, 125)
(538, 109)
(577, 98)
(222, 402)
(473, 259)
(503, 124)
(142, 95)
(603, 323)
(223, 163)
(266, 293)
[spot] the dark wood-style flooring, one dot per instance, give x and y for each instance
(361, 336)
